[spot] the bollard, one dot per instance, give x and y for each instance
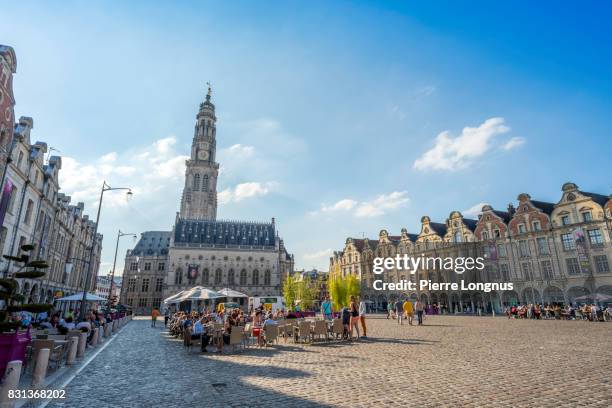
(11, 382)
(72, 350)
(82, 345)
(114, 327)
(94, 338)
(107, 330)
(40, 370)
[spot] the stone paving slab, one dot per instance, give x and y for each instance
(450, 361)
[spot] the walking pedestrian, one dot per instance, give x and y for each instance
(154, 315)
(419, 309)
(389, 310)
(399, 311)
(408, 310)
(362, 313)
(166, 317)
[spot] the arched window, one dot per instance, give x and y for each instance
(196, 182)
(243, 277)
(230, 277)
(267, 277)
(255, 277)
(218, 276)
(178, 278)
(205, 183)
(205, 277)
(458, 236)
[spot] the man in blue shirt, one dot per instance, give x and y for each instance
(326, 309)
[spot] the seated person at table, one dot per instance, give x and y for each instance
(269, 321)
(69, 323)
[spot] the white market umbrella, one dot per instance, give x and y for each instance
(174, 298)
(90, 297)
(227, 292)
(199, 293)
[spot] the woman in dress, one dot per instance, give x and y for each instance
(354, 309)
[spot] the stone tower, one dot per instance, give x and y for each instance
(199, 200)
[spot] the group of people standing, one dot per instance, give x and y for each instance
(401, 310)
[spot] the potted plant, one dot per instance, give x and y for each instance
(13, 339)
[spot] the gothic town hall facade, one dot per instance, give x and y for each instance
(200, 250)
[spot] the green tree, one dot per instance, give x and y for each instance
(289, 291)
(13, 301)
(307, 292)
(337, 292)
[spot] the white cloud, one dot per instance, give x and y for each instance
(379, 206)
(240, 151)
(473, 211)
(382, 204)
(110, 157)
(325, 253)
(146, 170)
(342, 205)
(163, 146)
(513, 143)
(245, 190)
(454, 153)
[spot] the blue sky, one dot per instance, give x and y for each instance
(337, 118)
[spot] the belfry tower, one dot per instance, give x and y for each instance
(199, 200)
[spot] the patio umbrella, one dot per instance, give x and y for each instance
(598, 297)
(90, 297)
(174, 298)
(227, 292)
(199, 293)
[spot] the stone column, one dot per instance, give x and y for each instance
(82, 345)
(11, 382)
(94, 338)
(40, 370)
(72, 350)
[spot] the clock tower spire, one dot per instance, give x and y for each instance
(199, 200)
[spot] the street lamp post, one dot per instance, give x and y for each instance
(105, 187)
(112, 284)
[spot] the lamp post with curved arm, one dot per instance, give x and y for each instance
(112, 284)
(105, 187)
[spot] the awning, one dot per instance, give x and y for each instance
(90, 297)
(230, 293)
(174, 298)
(199, 293)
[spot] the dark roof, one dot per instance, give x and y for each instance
(439, 228)
(224, 233)
(413, 237)
(395, 238)
(503, 215)
(470, 223)
(359, 243)
(153, 243)
(544, 206)
(598, 198)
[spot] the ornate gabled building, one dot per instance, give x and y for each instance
(550, 252)
(200, 250)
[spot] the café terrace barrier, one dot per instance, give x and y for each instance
(76, 350)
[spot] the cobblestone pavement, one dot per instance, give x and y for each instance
(451, 361)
